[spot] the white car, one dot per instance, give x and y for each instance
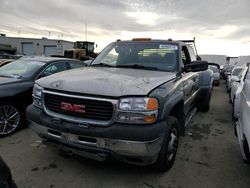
(216, 74)
(235, 72)
(236, 88)
(243, 126)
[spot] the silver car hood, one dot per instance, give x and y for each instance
(113, 82)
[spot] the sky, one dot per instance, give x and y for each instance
(219, 26)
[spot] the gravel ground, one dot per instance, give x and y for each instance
(208, 156)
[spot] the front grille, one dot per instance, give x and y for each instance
(94, 109)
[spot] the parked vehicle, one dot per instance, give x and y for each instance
(227, 71)
(16, 83)
(6, 180)
(216, 73)
(236, 71)
(5, 61)
(242, 126)
(133, 103)
(236, 88)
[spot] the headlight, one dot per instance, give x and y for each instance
(137, 110)
(37, 90)
(138, 104)
(37, 96)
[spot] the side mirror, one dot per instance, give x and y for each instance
(235, 79)
(196, 66)
(41, 76)
(88, 62)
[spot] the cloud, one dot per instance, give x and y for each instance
(111, 19)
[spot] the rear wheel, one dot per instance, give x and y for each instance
(10, 119)
(204, 105)
(169, 147)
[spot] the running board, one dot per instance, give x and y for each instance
(190, 116)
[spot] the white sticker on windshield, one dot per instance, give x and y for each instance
(169, 46)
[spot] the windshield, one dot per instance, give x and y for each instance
(21, 68)
(155, 56)
(214, 69)
(236, 72)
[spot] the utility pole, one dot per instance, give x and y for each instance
(86, 31)
(49, 34)
(19, 31)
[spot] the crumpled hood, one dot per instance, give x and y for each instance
(113, 82)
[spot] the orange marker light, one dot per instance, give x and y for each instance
(141, 39)
(152, 104)
(149, 118)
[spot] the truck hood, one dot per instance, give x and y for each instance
(113, 82)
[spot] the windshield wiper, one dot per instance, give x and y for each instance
(101, 65)
(137, 67)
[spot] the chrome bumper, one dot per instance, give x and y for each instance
(146, 152)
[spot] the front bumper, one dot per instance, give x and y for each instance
(97, 142)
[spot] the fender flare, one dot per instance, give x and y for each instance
(171, 102)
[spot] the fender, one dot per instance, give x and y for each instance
(15, 89)
(171, 102)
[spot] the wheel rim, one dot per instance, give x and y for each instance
(9, 119)
(173, 144)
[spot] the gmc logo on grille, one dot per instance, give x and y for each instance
(73, 107)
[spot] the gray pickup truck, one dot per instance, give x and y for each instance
(132, 103)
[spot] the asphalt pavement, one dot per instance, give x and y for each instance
(208, 156)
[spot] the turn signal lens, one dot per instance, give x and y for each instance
(150, 118)
(152, 104)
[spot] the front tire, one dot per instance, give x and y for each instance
(10, 119)
(169, 147)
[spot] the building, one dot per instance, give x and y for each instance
(32, 46)
(218, 59)
(243, 60)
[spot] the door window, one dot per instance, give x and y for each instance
(55, 68)
(75, 65)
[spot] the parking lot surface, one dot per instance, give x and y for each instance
(208, 156)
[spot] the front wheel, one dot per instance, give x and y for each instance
(10, 119)
(204, 105)
(169, 147)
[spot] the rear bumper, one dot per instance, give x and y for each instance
(216, 82)
(96, 143)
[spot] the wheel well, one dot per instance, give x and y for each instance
(20, 103)
(178, 112)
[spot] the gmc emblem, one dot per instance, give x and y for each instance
(73, 107)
